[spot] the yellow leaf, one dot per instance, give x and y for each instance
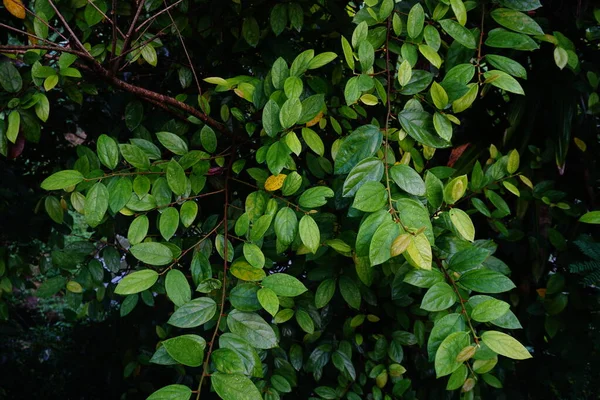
(526, 181)
(580, 144)
(315, 120)
(369, 99)
(274, 182)
(400, 244)
(15, 7)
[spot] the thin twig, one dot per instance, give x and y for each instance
(156, 15)
(46, 23)
(128, 37)
(68, 28)
(185, 51)
(106, 17)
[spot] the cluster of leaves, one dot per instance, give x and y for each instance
(341, 252)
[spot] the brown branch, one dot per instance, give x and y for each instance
(128, 37)
(107, 18)
(225, 268)
(156, 15)
(68, 28)
(114, 28)
(25, 48)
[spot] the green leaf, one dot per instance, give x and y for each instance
(305, 321)
(177, 287)
(489, 310)
(193, 313)
(313, 141)
(10, 79)
(321, 59)
(54, 209)
(522, 5)
(366, 56)
(315, 197)
(278, 156)
(284, 285)
(152, 253)
(424, 278)
(268, 300)
(149, 54)
(254, 255)
(324, 293)
(348, 54)
(42, 107)
(350, 292)
(505, 345)
(439, 297)
(459, 11)
(561, 57)
(416, 20)
(62, 180)
(439, 96)
(138, 229)
(309, 233)
(247, 353)
(176, 177)
(504, 81)
(366, 230)
(134, 113)
(168, 223)
(503, 39)
(415, 129)
(172, 392)
(270, 118)
(293, 87)
(445, 357)
(455, 189)
(246, 272)
(172, 142)
(367, 170)
(418, 253)
(408, 179)
(516, 21)
(486, 281)
(234, 387)
(96, 204)
(278, 18)
(136, 282)
(380, 249)
(591, 217)
(443, 327)
(370, 197)
(360, 34)
(186, 349)
(431, 55)
(208, 139)
(459, 33)
(507, 65)
(301, 62)
(253, 328)
(188, 213)
(458, 377)
(290, 112)
(14, 124)
(404, 73)
(251, 31)
(108, 151)
(463, 224)
(286, 226)
(134, 156)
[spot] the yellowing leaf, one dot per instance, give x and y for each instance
(369, 99)
(215, 80)
(580, 144)
(315, 120)
(15, 7)
(400, 244)
(274, 182)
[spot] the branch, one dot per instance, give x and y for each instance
(185, 51)
(106, 17)
(156, 15)
(68, 28)
(128, 37)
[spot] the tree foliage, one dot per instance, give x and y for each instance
(279, 172)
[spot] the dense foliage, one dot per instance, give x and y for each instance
(309, 199)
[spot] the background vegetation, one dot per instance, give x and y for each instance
(378, 169)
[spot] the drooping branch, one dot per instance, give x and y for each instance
(128, 37)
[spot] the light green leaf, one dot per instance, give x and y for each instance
(177, 287)
(516, 21)
(504, 81)
(591, 217)
(188, 213)
(489, 310)
(172, 142)
(309, 233)
(234, 387)
(463, 224)
(253, 328)
(445, 357)
(186, 349)
(268, 300)
(439, 297)
(138, 229)
(62, 180)
(284, 285)
(416, 20)
(459, 33)
(486, 281)
(168, 223)
(172, 392)
(254, 255)
(370, 197)
(505, 345)
(152, 253)
(96, 204)
(193, 313)
(136, 282)
(176, 177)
(315, 197)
